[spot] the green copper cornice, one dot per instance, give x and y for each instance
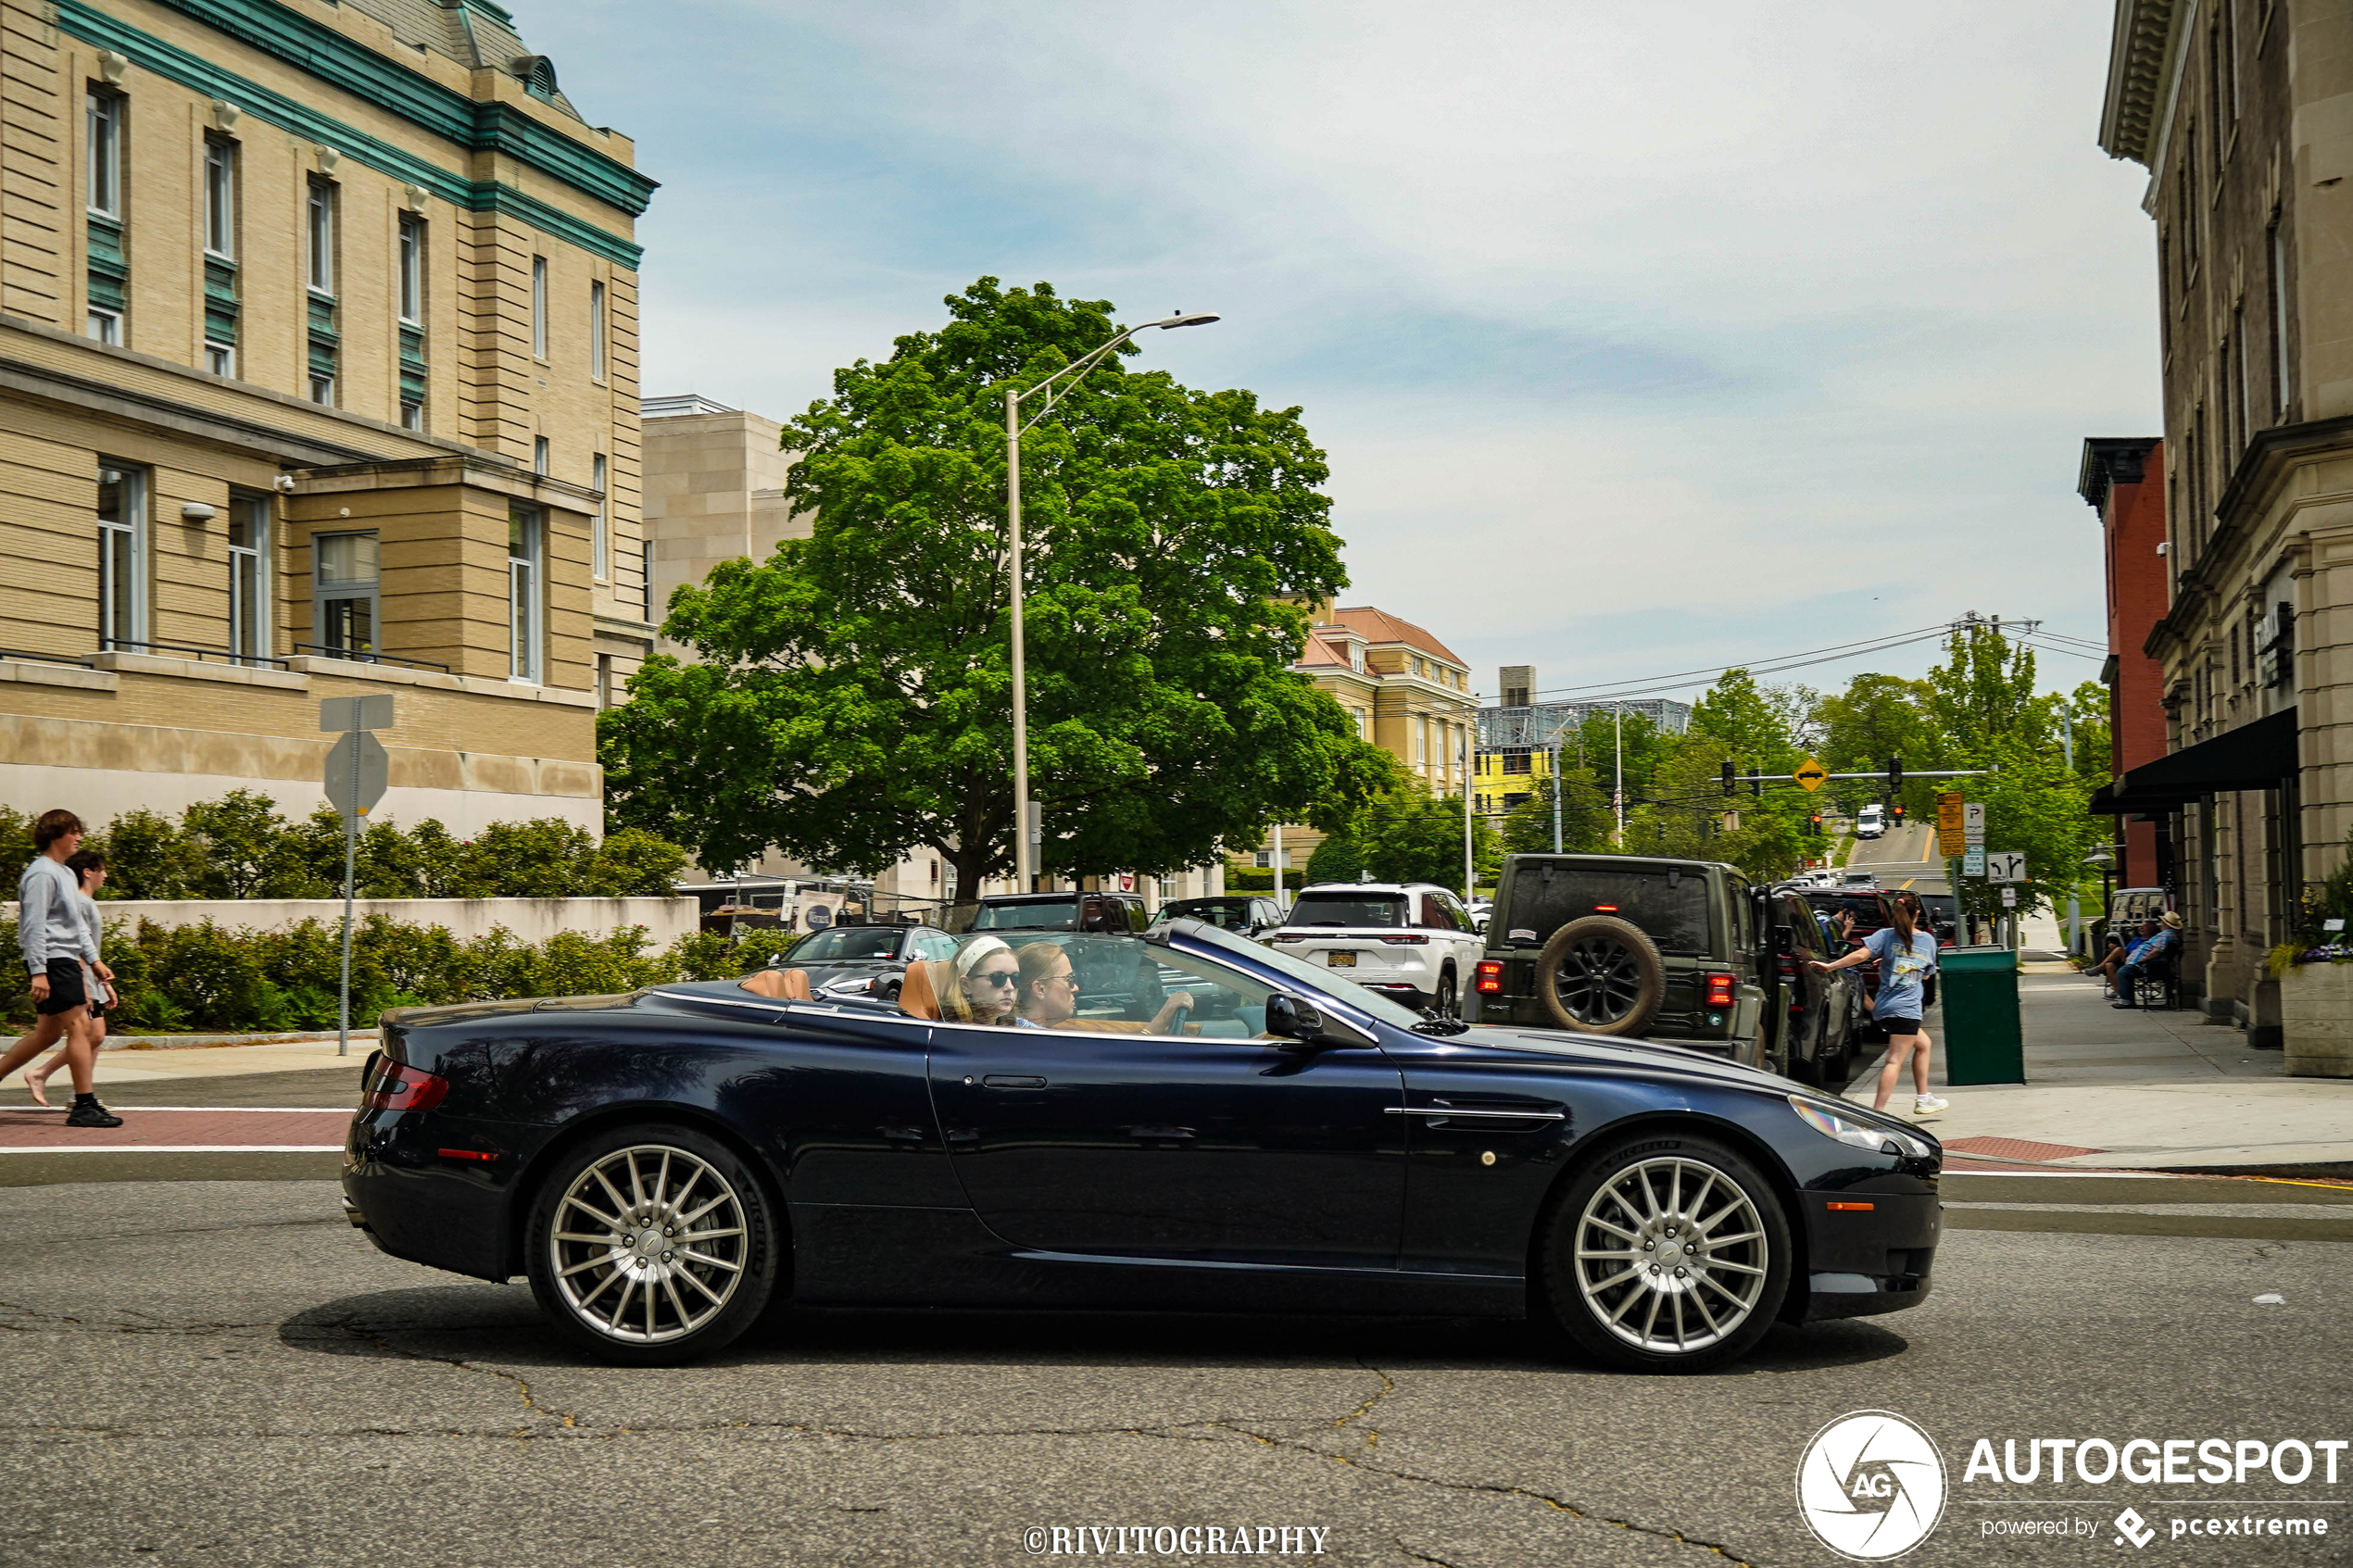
(175, 63)
(326, 54)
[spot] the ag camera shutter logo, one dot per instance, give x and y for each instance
(1872, 1485)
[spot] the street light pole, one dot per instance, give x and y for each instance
(1025, 847)
(1618, 794)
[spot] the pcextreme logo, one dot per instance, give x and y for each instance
(1872, 1485)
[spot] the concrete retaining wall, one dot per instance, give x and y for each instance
(530, 919)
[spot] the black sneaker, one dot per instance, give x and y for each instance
(90, 1113)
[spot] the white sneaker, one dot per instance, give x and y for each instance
(1928, 1105)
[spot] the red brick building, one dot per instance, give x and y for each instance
(2123, 482)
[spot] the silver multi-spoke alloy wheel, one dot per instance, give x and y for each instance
(649, 1245)
(1671, 1255)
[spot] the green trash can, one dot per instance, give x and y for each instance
(1984, 1041)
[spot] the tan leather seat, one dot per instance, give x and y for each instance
(778, 984)
(919, 992)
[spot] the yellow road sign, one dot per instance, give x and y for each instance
(1810, 773)
(1950, 841)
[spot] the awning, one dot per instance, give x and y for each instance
(2257, 756)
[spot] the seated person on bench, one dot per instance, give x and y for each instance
(2153, 950)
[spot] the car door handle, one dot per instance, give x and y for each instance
(1011, 1081)
(1484, 1115)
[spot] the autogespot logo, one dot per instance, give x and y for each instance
(1872, 1485)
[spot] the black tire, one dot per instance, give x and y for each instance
(1611, 972)
(890, 992)
(1691, 1182)
(1449, 1001)
(707, 1296)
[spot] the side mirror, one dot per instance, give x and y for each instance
(1292, 1018)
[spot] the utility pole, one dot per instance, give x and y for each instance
(1279, 869)
(1470, 859)
(1617, 792)
(1556, 793)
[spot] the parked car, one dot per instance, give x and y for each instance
(1480, 909)
(1622, 944)
(1871, 822)
(1812, 1020)
(1247, 914)
(667, 1165)
(864, 960)
(1411, 941)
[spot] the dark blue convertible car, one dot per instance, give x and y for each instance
(1232, 1129)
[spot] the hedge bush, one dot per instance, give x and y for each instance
(211, 978)
(241, 846)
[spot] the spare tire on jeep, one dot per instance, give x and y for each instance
(1601, 975)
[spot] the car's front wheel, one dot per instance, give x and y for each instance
(651, 1245)
(1665, 1254)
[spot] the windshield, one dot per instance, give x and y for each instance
(1865, 907)
(1226, 914)
(1080, 982)
(1668, 905)
(1381, 910)
(847, 942)
(1043, 914)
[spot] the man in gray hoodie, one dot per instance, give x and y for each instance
(57, 944)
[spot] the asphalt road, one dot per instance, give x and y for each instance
(222, 1373)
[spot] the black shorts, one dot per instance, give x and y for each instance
(65, 991)
(1900, 1025)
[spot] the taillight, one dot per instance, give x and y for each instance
(1414, 940)
(1785, 967)
(1719, 990)
(1490, 977)
(1604, 909)
(394, 1087)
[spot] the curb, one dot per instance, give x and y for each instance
(197, 1042)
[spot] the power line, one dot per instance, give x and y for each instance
(1717, 669)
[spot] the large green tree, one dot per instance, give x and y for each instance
(851, 696)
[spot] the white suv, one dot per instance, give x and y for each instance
(1411, 941)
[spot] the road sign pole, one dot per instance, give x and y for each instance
(350, 861)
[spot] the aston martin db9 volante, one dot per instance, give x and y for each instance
(1247, 1132)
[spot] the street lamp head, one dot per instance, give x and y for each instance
(1181, 319)
(2100, 858)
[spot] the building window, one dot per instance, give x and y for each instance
(105, 325)
(250, 561)
(597, 330)
(412, 269)
(539, 456)
(2238, 367)
(600, 549)
(321, 228)
(220, 196)
(2279, 317)
(1517, 759)
(221, 359)
(413, 413)
(523, 593)
(346, 577)
(104, 120)
(123, 555)
(604, 679)
(322, 390)
(539, 308)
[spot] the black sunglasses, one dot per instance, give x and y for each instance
(997, 976)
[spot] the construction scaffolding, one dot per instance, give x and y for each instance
(1540, 725)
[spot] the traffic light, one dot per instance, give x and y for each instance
(1895, 774)
(1727, 776)
(1757, 782)
(1814, 825)
(1896, 812)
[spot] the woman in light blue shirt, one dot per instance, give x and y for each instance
(1907, 956)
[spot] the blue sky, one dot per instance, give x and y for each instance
(1640, 344)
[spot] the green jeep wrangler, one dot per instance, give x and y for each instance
(1619, 945)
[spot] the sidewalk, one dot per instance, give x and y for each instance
(139, 1066)
(2147, 1091)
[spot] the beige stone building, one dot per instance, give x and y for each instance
(318, 375)
(2242, 111)
(1409, 694)
(714, 491)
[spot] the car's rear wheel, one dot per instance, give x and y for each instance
(1602, 975)
(1448, 1002)
(652, 1243)
(1667, 1255)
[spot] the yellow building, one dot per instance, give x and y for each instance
(1409, 694)
(320, 330)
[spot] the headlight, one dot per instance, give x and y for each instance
(845, 987)
(1861, 1135)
